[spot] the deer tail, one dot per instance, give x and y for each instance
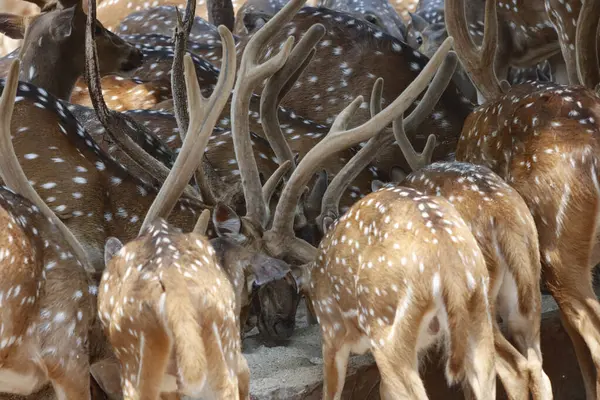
(182, 319)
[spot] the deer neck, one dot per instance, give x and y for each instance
(54, 74)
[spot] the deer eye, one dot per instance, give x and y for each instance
(419, 39)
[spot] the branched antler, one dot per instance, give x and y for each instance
(279, 84)
(280, 239)
(250, 75)
(123, 129)
(207, 179)
(339, 184)
(199, 130)
(479, 63)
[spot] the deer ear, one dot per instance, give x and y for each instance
(112, 247)
(417, 23)
(108, 376)
(265, 269)
(376, 184)
(301, 275)
(13, 25)
(226, 221)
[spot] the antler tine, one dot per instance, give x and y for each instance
(199, 130)
(339, 139)
(331, 199)
(250, 74)
(279, 84)
(415, 160)
(271, 184)
(182, 32)
(376, 96)
(479, 64)
(202, 223)
(12, 173)
(588, 29)
(205, 173)
(118, 125)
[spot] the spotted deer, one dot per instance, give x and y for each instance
(54, 42)
(379, 266)
(543, 140)
(188, 325)
(529, 33)
(347, 41)
(47, 293)
(378, 284)
(506, 233)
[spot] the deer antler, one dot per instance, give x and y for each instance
(280, 238)
(479, 63)
(331, 199)
(279, 84)
(200, 128)
(119, 126)
(12, 173)
(588, 31)
(182, 32)
(251, 74)
(206, 178)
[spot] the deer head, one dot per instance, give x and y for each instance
(53, 49)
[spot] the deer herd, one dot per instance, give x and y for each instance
(170, 183)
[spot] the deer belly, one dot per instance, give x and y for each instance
(22, 383)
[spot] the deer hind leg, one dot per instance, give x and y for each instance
(479, 365)
(396, 350)
(72, 385)
(223, 374)
(335, 363)
(519, 304)
(567, 271)
(243, 377)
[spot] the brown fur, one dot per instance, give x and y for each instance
(52, 53)
(47, 309)
(506, 234)
(545, 144)
(395, 264)
(183, 320)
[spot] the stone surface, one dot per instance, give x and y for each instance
(294, 372)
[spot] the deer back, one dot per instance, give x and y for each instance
(348, 59)
(395, 253)
(85, 187)
(496, 214)
(47, 300)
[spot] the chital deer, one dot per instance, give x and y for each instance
(186, 333)
(543, 140)
(348, 77)
(398, 273)
(526, 28)
(53, 49)
(507, 236)
(47, 295)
